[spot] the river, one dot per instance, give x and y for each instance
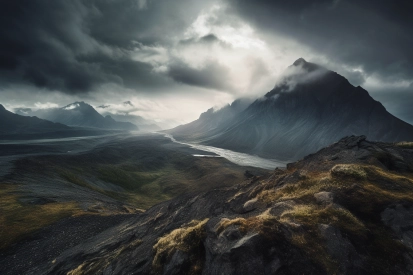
(235, 157)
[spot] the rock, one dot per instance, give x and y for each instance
(341, 250)
(400, 219)
(324, 197)
(178, 260)
(281, 207)
(250, 205)
(243, 256)
(353, 141)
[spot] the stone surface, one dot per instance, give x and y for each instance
(324, 197)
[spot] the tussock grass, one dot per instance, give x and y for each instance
(312, 245)
(263, 223)
(349, 171)
(312, 215)
(303, 189)
(405, 144)
(363, 191)
(381, 183)
(187, 239)
(99, 264)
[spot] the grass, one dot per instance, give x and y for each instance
(348, 171)
(363, 191)
(18, 220)
(187, 239)
(147, 173)
(259, 223)
(313, 215)
(405, 144)
(144, 187)
(127, 178)
(99, 264)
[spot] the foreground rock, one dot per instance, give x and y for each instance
(345, 210)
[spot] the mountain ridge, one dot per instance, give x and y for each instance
(308, 109)
(81, 114)
(16, 124)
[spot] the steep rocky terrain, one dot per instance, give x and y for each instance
(347, 209)
(309, 108)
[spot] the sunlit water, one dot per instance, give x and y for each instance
(235, 157)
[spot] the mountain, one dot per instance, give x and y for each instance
(16, 124)
(142, 123)
(211, 122)
(83, 115)
(309, 108)
(124, 114)
(345, 210)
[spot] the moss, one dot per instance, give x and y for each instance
(348, 171)
(187, 239)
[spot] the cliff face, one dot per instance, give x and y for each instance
(346, 209)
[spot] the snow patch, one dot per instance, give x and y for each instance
(71, 106)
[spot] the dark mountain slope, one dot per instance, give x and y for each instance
(308, 109)
(212, 122)
(16, 124)
(345, 210)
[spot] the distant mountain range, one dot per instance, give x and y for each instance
(79, 114)
(309, 108)
(16, 124)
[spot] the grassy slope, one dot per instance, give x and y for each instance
(18, 219)
(139, 173)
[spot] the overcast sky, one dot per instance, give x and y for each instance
(173, 59)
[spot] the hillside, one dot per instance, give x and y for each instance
(345, 210)
(16, 124)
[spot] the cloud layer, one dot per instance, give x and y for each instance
(185, 51)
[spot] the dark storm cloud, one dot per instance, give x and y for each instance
(373, 35)
(73, 46)
(211, 75)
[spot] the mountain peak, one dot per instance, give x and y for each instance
(300, 61)
(77, 105)
(2, 108)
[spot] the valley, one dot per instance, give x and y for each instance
(45, 182)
